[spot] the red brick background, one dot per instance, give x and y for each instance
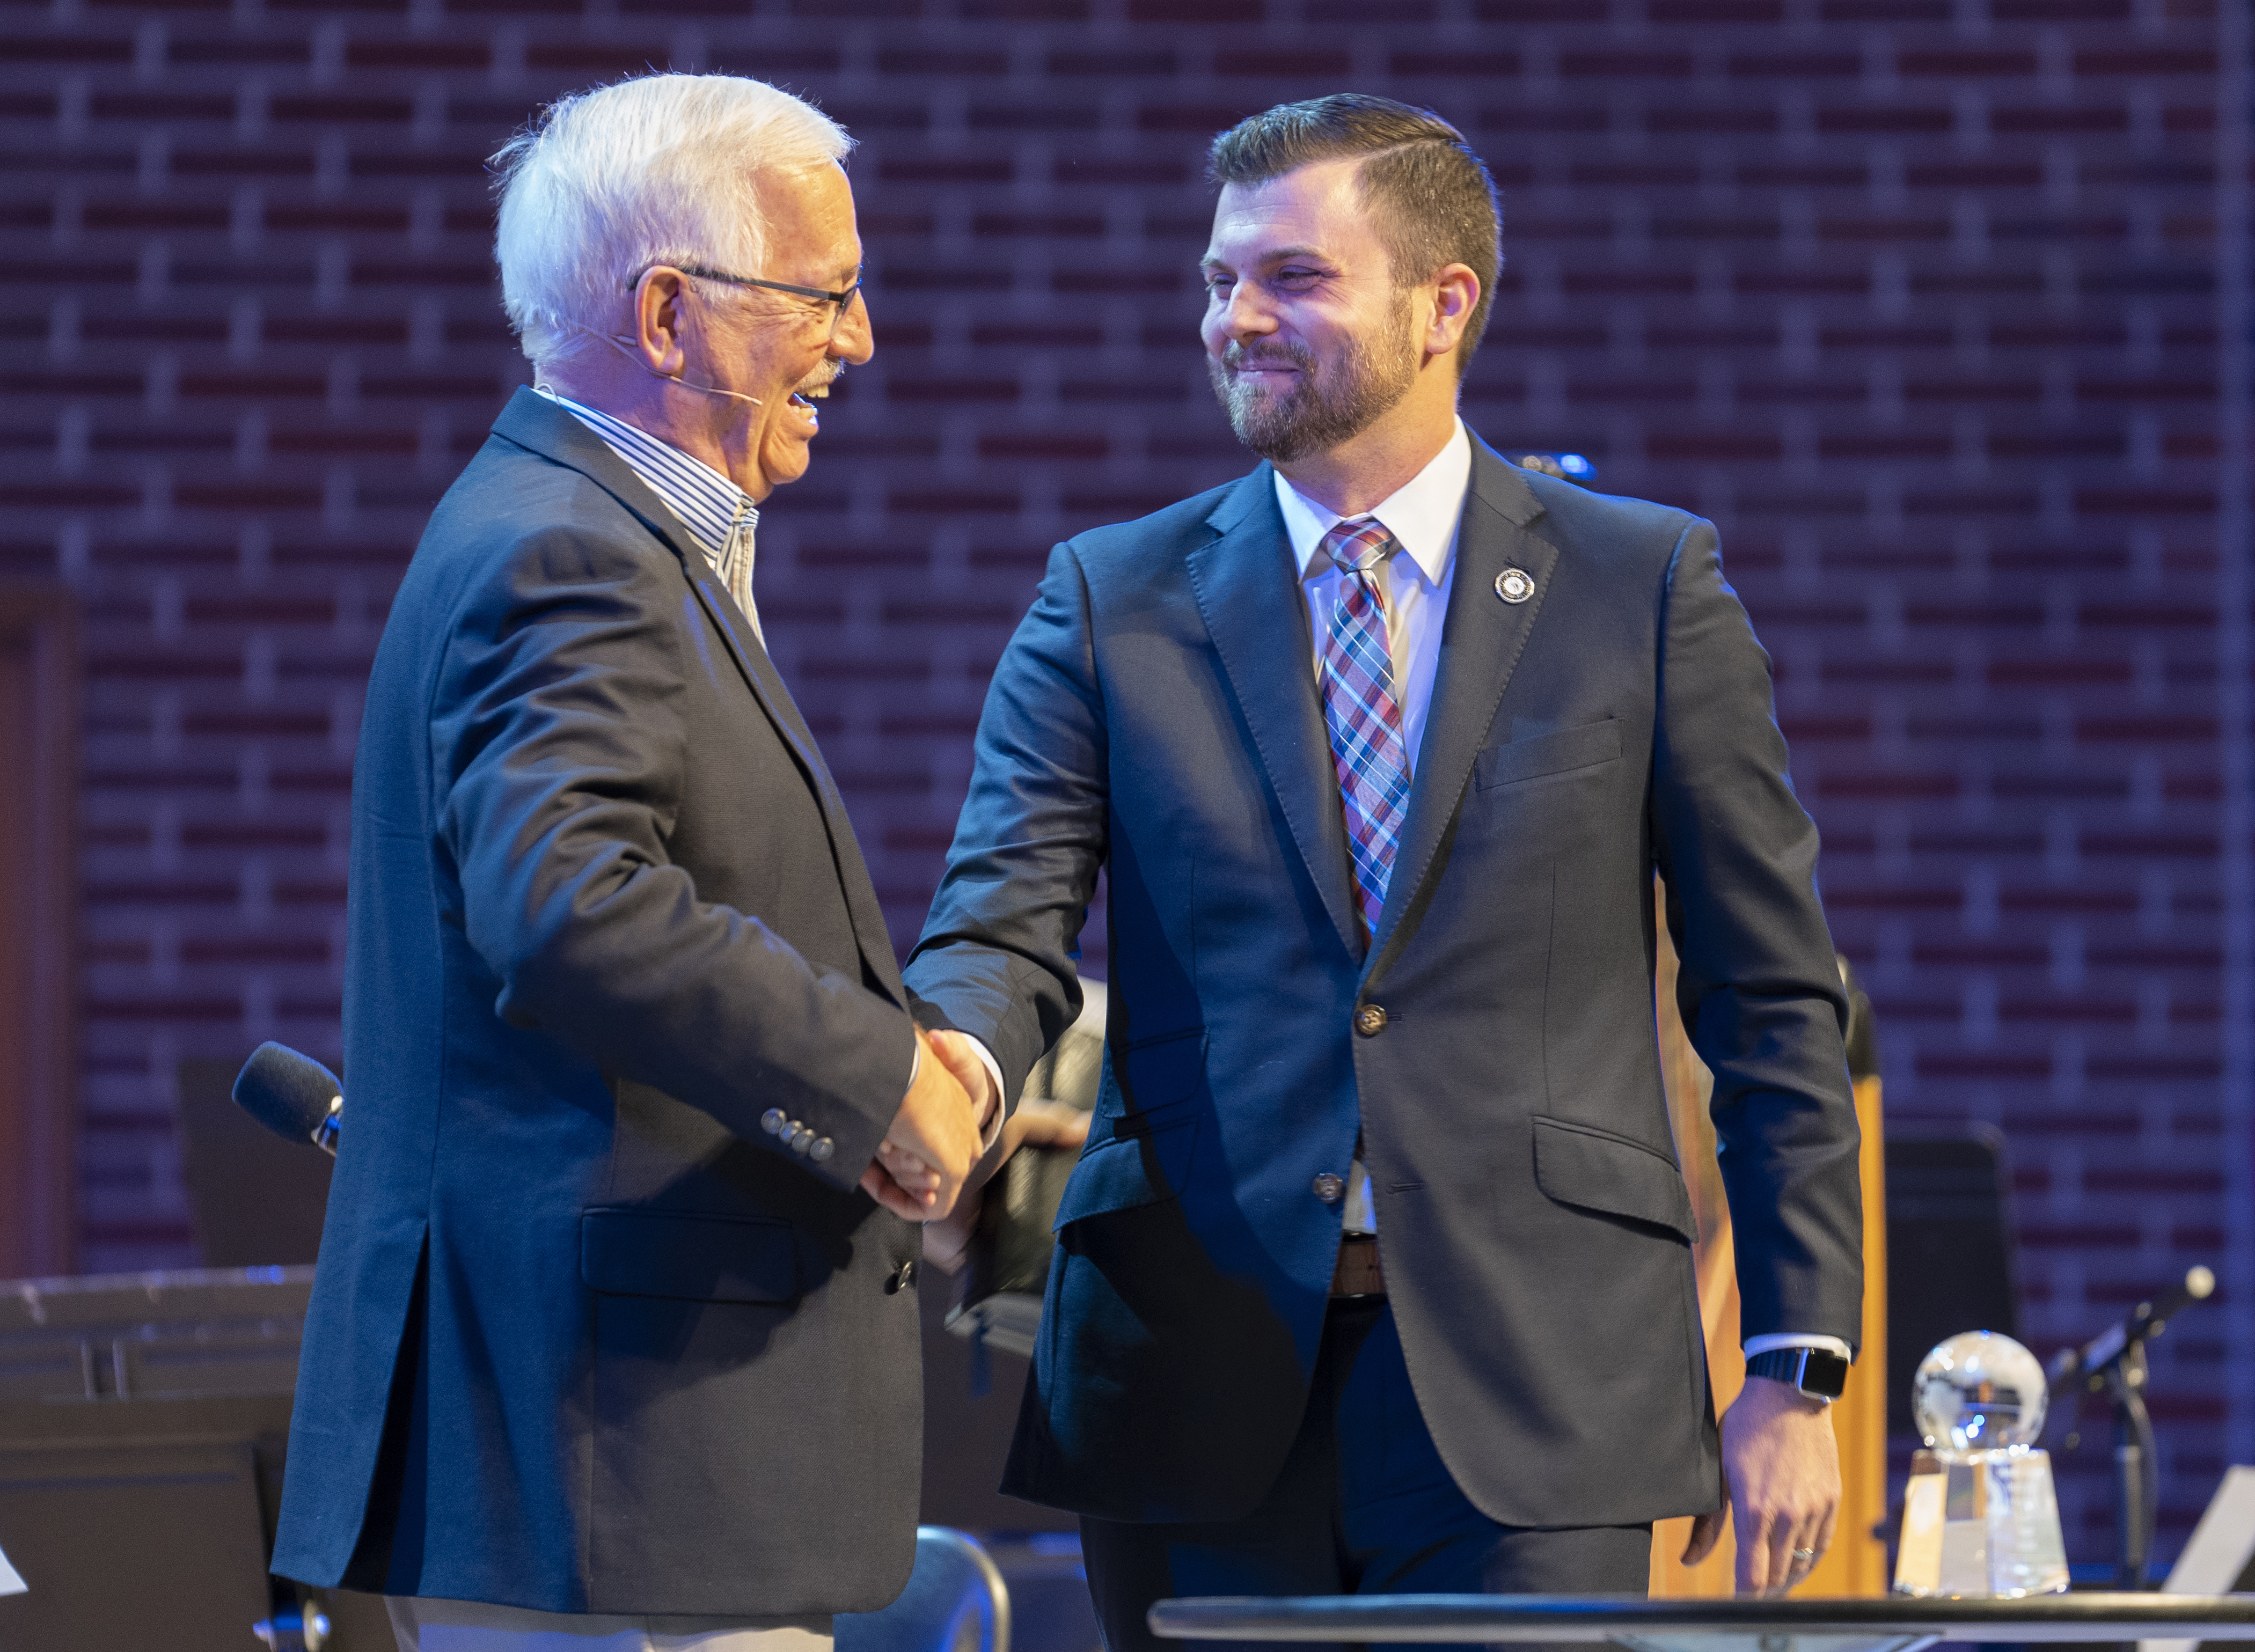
(1939, 306)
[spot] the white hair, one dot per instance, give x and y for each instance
(659, 168)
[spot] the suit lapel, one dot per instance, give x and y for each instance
(1248, 591)
(735, 628)
(1481, 641)
(532, 421)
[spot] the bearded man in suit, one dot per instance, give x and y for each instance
(610, 1343)
(1382, 748)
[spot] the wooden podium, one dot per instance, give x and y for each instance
(1857, 1563)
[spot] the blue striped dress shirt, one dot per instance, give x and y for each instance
(719, 515)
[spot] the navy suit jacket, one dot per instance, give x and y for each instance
(1157, 715)
(584, 1337)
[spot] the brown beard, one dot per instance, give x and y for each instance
(1363, 383)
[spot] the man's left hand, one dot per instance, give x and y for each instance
(1781, 1487)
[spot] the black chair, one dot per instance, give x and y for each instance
(1951, 1259)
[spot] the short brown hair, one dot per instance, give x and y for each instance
(1431, 197)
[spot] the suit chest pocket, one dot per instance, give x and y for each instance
(1585, 746)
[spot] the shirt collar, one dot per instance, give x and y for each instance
(709, 504)
(1422, 513)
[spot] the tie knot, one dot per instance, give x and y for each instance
(1358, 544)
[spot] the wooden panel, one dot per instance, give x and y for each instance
(39, 743)
(1857, 1563)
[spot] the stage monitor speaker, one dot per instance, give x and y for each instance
(1949, 1251)
(162, 1383)
(151, 1336)
(149, 1544)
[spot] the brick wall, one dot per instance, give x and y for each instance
(1919, 298)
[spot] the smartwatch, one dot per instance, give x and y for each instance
(1818, 1373)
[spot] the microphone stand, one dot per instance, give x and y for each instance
(2137, 1466)
(2115, 1362)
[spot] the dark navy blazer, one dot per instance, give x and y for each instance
(1157, 715)
(584, 1337)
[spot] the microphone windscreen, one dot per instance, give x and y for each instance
(288, 1093)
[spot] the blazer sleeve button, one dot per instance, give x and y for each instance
(1370, 1021)
(773, 1120)
(801, 1138)
(820, 1151)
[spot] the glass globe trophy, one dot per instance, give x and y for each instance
(1980, 1515)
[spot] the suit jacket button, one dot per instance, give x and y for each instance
(1329, 1188)
(773, 1120)
(1370, 1021)
(902, 1278)
(800, 1138)
(820, 1151)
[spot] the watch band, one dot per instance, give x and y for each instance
(1818, 1373)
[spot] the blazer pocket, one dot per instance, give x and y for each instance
(1584, 747)
(690, 1258)
(1152, 1075)
(1147, 1167)
(1592, 1169)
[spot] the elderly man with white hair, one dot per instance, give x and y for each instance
(612, 1343)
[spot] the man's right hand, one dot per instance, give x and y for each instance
(922, 1163)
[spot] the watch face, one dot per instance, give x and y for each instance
(1823, 1373)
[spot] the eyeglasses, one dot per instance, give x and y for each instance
(841, 301)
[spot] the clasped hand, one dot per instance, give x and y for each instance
(923, 1162)
(1036, 1123)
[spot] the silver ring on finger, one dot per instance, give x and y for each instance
(1807, 1557)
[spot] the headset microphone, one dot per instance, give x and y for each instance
(621, 346)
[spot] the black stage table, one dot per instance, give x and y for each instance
(1892, 1623)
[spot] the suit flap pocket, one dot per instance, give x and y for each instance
(1582, 747)
(1123, 1172)
(653, 1253)
(1153, 1074)
(1596, 1170)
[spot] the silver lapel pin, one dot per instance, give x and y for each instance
(1514, 585)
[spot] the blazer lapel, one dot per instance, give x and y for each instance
(1248, 591)
(735, 628)
(530, 420)
(1481, 642)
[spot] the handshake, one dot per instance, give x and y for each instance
(936, 1138)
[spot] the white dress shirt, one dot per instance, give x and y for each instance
(1422, 516)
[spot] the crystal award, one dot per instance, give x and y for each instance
(1980, 1519)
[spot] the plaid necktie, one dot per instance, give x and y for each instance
(1360, 707)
